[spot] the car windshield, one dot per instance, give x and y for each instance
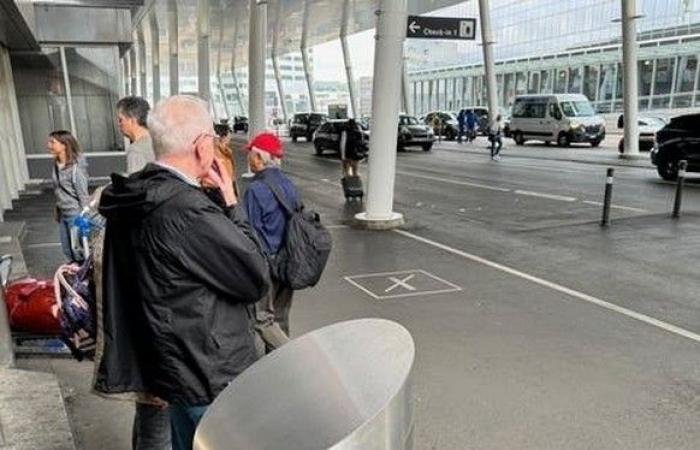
(580, 108)
(408, 120)
(301, 118)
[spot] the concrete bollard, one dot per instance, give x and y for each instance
(609, 179)
(682, 167)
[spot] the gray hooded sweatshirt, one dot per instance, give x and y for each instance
(71, 187)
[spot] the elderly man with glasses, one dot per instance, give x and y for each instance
(190, 267)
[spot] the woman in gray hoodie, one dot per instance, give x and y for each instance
(70, 182)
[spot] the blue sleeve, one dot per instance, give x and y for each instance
(253, 209)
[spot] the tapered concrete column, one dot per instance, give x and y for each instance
(386, 96)
(155, 54)
(487, 43)
(203, 75)
(305, 57)
(219, 84)
(346, 57)
(629, 78)
(406, 86)
(257, 48)
(275, 60)
(174, 72)
(143, 91)
(67, 87)
(132, 70)
(234, 76)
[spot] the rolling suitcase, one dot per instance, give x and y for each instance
(352, 187)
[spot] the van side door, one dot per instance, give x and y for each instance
(553, 119)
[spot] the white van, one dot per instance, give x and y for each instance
(562, 118)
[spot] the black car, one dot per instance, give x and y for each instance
(443, 123)
(327, 136)
(240, 123)
(677, 141)
(413, 133)
(304, 125)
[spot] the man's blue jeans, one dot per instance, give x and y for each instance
(183, 422)
(64, 227)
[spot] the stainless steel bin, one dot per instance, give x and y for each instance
(345, 386)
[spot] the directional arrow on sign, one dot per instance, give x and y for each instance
(414, 27)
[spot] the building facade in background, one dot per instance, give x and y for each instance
(545, 46)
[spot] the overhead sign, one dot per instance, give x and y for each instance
(428, 27)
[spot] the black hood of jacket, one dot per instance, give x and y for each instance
(137, 195)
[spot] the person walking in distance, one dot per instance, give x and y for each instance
(350, 148)
(495, 131)
(132, 113)
(269, 218)
(70, 185)
(190, 268)
(461, 123)
(471, 120)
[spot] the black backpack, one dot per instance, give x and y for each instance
(305, 248)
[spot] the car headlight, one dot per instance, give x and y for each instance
(405, 130)
(574, 125)
(430, 132)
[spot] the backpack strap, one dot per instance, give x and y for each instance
(279, 195)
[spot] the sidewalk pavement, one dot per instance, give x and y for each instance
(604, 155)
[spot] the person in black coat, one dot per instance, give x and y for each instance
(351, 148)
(181, 274)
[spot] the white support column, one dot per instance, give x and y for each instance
(69, 96)
(386, 96)
(132, 70)
(630, 88)
(275, 61)
(174, 72)
(143, 92)
(234, 76)
(406, 86)
(155, 54)
(219, 84)
(305, 57)
(489, 67)
(203, 75)
(257, 49)
(346, 57)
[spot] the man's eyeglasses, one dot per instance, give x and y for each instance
(201, 135)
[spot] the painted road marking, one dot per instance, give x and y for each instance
(43, 245)
(378, 285)
(459, 183)
(5, 239)
(561, 198)
(626, 208)
(403, 282)
(559, 288)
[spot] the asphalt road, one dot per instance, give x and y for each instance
(551, 333)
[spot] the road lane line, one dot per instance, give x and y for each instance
(459, 183)
(562, 198)
(559, 288)
(43, 245)
(626, 208)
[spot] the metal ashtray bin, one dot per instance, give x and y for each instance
(345, 386)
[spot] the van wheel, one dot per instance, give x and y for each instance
(563, 140)
(547, 143)
(595, 144)
(668, 170)
(294, 138)
(519, 138)
(427, 147)
(318, 148)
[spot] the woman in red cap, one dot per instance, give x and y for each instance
(269, 218)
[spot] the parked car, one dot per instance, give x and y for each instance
(327, 136)
(562, 118)
(677, 141)
(413, 133)
(304, 125)
(240, 123)
(648, 127)
(442, 123)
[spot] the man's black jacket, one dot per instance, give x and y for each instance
(180, 276)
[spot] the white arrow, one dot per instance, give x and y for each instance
(414, 27)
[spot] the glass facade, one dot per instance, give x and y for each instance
(575, 47)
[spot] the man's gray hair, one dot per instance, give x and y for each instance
(176, 122)
(267, 159)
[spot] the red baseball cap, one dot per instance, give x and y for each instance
(267, 142)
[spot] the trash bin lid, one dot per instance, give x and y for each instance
(316, 392)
